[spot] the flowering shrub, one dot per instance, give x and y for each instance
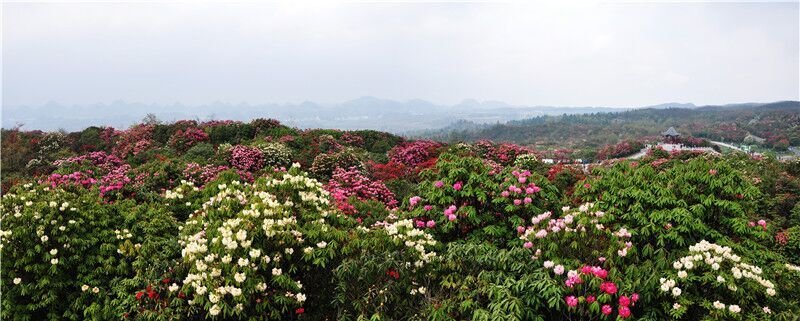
(247, 244)
(352, 183)
(505, 153)
(101, 160)
(246, 158)
(59, 253)
(414, 153)
(182, 140)
(325, 164)
(591, 291)
(740, 288)
(622, 149)
(393, 269)
(276, 155)
(134, 140)
(200, 175)
(72, 179)
(464, 196)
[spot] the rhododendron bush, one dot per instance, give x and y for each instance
(245, 246)
(352, 183)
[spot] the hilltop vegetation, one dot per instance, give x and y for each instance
(777, 123)
(227, 220)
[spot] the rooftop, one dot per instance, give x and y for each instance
(671, 132)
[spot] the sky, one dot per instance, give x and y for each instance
(622, 54)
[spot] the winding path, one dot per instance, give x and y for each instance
(725, 145)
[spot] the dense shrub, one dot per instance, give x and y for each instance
(246, 158)
(325, 164)
(276, 155)
(182, 140)
(59, 254)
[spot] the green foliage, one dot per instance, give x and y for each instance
(324, 164)
(202, 153)
(54, 242)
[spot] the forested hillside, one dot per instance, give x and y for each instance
(777, 123)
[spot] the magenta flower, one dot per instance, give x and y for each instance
(428, 207)
(438, 184)
(458, 185)
(624, 301)
(608, 287)
(528, 200)
(528, 245)
(520, 229)
(624, 312)
(504, 194)
(431, 224)
(606, 309)
(572, 301)
(414, 200)
(517, 202)
(590, 299)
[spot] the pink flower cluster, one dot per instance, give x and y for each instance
(504, 153)
(246, 158)
(414, 153)
(200, 175)
(352, 183)
(450, 213)
(761, 223)
(574, 278)
(352, 139)
(134, 140)
(115, 180)
(414, 200)
(73, 179)
(421, 223)
(521, 194)
(104, 161)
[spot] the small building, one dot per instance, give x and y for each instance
(671, 135)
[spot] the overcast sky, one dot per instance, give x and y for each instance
(591, 54)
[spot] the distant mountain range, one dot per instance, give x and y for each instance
(400, 117)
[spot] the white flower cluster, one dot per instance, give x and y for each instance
(420, 290)
(180, 192)
(715, 258)
(413, 238)
(574, 220)
(241, 240)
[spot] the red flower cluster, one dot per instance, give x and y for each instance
(392, 273)
(151, 294)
